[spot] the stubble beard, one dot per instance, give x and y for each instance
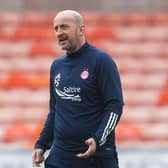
(70, 47)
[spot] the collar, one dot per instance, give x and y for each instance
(79, 52)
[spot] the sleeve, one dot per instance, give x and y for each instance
(46, 136)
(109, 85)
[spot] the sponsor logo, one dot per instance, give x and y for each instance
(84, 74)
(68, 93)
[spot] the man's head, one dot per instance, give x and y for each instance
(69, 29)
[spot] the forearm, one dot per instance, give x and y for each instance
(46, 136)
(111, 117)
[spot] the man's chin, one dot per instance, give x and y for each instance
(67, 48)
(64, 48)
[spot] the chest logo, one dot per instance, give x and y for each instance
(67, 92)
(84, 74)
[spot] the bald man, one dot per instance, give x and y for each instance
(85, 102)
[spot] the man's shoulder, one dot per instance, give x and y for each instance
(58, 60)
(98, 52)
(101, 56)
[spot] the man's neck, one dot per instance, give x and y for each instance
(78, 47)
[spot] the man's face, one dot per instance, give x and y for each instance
(67, 32)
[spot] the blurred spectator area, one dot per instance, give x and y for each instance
(94, 5)
(138, 43)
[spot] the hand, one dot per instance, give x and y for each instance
(37, 157)
(91, 149)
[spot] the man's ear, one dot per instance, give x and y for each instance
(82, 29)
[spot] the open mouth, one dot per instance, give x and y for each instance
(62, 41)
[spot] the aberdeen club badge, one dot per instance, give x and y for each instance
(84, 74)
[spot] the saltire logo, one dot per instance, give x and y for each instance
(68, 93)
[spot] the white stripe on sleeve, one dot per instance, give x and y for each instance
(109, 127)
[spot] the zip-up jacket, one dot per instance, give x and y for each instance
(85, 101)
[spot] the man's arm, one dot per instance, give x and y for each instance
(109, 85)
(45, 139)
(110, 89)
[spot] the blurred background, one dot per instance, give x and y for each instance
(133, 32)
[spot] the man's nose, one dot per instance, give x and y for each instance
(59, 32)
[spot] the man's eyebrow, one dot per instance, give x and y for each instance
(64, 24)
(61, 26)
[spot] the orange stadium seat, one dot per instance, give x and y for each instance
(18, 80)
(163, 98)
(26, 81)
(3, 82)
(42, 49)
(9, 18)
(35, 133)
(137, 41)
(91, 17)
(37, 18)
(33, 33)
(40, 81)
(15, 132)
(4, 35)
(111, 19)
(99, 44)
(128, 132)
(166, 83)
(159, 19)
(136, 19)
(102, 33)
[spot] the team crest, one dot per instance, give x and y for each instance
(84, 74)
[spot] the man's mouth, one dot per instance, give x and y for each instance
(62, 41)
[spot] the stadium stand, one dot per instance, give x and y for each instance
(163, 98)
(138, 42)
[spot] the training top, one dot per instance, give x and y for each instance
(85, 101)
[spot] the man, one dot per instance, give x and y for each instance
(85, 102)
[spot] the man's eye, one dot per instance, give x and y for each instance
(64, 27)
(56, 28)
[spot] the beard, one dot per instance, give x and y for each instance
(67, 43)
(70, 48)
